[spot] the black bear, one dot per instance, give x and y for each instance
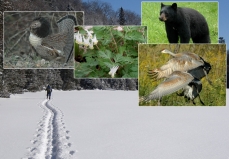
(184, 23)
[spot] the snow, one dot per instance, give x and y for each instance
(109, 124)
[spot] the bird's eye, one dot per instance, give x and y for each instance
(35, 24)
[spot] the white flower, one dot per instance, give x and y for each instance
(86, 41)
(119, 28)
(78, 38)
(113, 71)
(94, 40)
(89, 33)
(91, 45)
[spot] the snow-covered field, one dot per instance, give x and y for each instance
(108, 125)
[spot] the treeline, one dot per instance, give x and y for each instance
(95, 13)
(16, 81)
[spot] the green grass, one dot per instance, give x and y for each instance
(156, 28)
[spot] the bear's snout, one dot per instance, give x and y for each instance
(162, 17)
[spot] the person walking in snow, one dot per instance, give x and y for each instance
(49, 91)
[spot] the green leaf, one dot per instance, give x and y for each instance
(130, 71)
(107, 54)
(108, 64)
(83, 70)
(117, 33)
(91, 61)
(122, 49)
(133, 74)
(134, 68)
(127, 59)
(136, 36)
(97, 74)
(106, 41)
(118, 58)
(102, 33)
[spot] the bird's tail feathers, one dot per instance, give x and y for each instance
(66, 24)
(67, 17)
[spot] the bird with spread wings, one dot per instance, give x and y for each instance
(183, 71)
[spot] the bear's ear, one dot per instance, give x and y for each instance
(162, 5)
(174, 6)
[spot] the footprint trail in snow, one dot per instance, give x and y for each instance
(51, 140)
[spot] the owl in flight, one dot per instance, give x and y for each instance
(56, 46)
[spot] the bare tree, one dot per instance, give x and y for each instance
(132, 18)
(98, 13)
(47, 5)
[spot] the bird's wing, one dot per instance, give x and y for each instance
(48, 53)
(173, 83)
(182, 62)
(158, 73)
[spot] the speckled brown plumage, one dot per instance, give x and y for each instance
(58, 46)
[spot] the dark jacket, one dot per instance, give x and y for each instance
(49, 89)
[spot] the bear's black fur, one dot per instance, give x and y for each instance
(184, 23)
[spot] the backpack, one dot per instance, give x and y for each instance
(48, 89)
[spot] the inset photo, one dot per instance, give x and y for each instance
(39, 39)
(182, 75)
(108, 51)
(181, 22)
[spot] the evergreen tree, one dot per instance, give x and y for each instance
(14, 80)
(1, 51)
(122, 19)
(221, 40)
(69, 8)
(54, 79)
(68, 79)
(36, 79)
